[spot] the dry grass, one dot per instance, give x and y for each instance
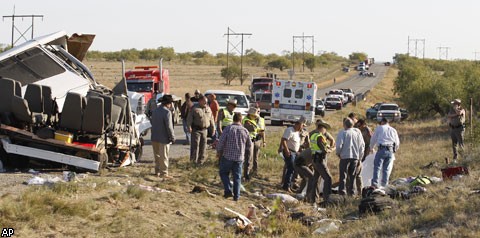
(66, 210)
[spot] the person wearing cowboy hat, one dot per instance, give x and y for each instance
(321, 143)
(456, 122)
(162, 135)
(225, 116)
(256, 128)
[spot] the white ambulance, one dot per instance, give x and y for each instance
(291, 100)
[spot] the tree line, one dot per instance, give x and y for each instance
(427, 86)
(251, 57)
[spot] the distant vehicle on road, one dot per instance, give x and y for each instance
(333, 102)
(319, 107)
(264, 102)
(339, 93)
(224, 95)
(261, 85)
(389, 111)
(349, 93)
(346, 69)
(387, 63)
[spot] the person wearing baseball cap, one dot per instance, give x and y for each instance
(456, 123)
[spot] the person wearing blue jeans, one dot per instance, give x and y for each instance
(290, 146)
(187, 131)
(227, 166)
(383, 164)
(386, 138)
(233, 145)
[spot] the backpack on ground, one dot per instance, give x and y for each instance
(375, 203)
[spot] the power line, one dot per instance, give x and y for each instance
(15, 28)
(417, 49)
(229, 33)
(475, 53)
(303, 37)
(443, 51)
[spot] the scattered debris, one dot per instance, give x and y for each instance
(153, 189)
(201, 189)
(284, 197)
(326, 226)
(69, 176)
(450, 172)
(114, 183)
(41, 181)
(433, 164)
(32, 171)
(241, 223)
(252, 212)
(179, 213)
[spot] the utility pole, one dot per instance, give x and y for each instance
(303, 37)
(416, 50)
(475, 53)
(229, 33)
(22, 33)
(443, 51)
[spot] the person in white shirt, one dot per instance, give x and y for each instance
(386, 138)
(290, 146)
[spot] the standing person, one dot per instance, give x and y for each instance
(367, 135)
(214, 107)
(386, 138)
(334, 80)
(151, 105)
(289, 146)
(199, 120)
(162, 135)
(321, 143)
(456, 123)
(256, 128)
(225, 116)
(350, 148)
(184, 111)
(234, 144)
(196, 96)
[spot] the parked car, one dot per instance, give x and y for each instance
(243, 104)
(372, 111)
(333, 102)
(346, 69)
(387, 63)
(319, 107)
(389, 111)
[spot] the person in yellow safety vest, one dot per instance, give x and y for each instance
(321, 143)
(256, 128)
(225, 116)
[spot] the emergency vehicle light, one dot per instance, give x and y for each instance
(276, 104)
(278, 83)
(309, 85)
(294, 84)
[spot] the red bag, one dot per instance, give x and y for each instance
(448, 173)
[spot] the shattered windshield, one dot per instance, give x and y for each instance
(30, 66)
(140, 87)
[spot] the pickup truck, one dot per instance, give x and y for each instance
(389, 111)
(339, 93)
(264, 102)
(372, 112)
(333, 102)
(349, 93)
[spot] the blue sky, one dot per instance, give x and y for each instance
(377, 27)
